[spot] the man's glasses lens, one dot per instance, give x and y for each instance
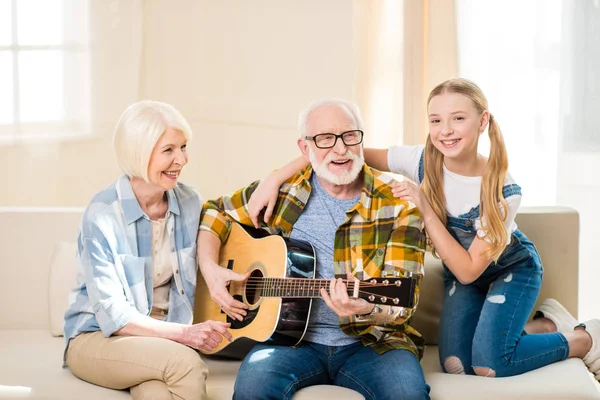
(327, 140)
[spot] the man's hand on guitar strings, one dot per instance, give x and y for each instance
(217, 281)
(342, 304)
(207, 335)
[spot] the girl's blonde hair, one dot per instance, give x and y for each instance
(492, 205)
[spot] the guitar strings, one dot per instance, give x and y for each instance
(259, 283)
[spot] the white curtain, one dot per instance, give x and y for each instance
(538, 62)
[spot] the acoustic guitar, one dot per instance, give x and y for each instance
(280, 290)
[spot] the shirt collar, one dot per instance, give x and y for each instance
(363, 206)
(131, 207)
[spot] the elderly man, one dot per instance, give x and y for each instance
(346, 210)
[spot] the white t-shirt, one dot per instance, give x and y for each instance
(462, 192)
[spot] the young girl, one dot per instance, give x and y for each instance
(493, 272)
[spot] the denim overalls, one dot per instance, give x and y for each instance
(482, 322)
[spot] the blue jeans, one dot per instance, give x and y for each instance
(277, 372)
(482, 323)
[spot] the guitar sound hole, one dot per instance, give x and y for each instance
(254, 287)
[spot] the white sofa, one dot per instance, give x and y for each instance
(36, 260)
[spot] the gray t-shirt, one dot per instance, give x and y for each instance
(317, 225)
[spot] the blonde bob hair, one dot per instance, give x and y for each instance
(492, 205)
(138, 130)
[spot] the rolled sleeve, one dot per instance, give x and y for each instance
(105, 288)
(405, 252)
(215, 220)
(217, 214)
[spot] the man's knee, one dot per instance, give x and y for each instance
(249, 386)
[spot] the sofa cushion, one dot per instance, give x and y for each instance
(61, 280)
(564, 380)
(31, 367)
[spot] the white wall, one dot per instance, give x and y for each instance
(238, 71)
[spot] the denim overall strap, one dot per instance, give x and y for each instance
(421, 167)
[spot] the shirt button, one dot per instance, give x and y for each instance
(182, 292)
(177, 271)
(172, 249)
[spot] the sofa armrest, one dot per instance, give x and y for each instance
(555, 233)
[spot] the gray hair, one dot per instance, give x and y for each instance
(351, 108)
(138, 130)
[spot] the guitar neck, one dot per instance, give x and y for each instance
(295, 287)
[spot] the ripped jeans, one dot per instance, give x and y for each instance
(482, 323)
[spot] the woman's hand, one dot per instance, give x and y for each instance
(265, 195)
(206, 336)
(408, 190)
(217, 279)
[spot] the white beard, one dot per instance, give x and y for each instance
(345, 178)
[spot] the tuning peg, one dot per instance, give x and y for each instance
(391, 311)
(384, 274)
(371, 298)
(385, 282)
(396, 274)
(384, 299)
(396, 300)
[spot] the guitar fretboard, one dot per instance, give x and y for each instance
(295, 287)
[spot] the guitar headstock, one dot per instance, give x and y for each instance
(397, 292)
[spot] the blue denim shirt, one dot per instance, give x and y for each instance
(114, 257)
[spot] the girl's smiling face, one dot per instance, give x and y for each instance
(455, 124)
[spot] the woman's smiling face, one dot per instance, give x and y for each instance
(168, 158)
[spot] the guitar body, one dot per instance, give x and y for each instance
(282, 319)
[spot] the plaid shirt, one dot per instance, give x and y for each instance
(380, 233)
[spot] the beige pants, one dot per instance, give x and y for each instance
(153, 368)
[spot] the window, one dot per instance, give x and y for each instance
(582, 94)
(519, 70)
(44, 69)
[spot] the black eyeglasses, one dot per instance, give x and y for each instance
(328, 140)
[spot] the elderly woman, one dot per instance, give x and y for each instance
(128, 323)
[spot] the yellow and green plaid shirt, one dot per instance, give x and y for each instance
(380, 233)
